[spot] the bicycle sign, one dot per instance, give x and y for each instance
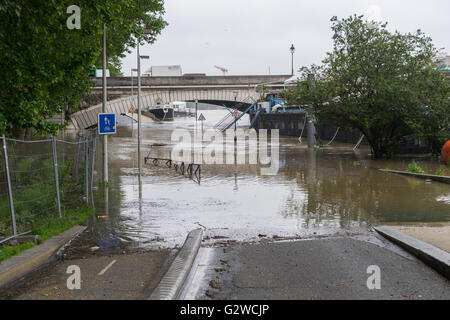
(106, 123)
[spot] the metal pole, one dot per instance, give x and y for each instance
(132, 85)
(8, 178)
(139, 110)
(77, 158)
(62, 122)
(310, 129)
(55, 166)
(86, 161)
(235, 118)
(105, 137)
(132, 100)
(94, 146)
(196, 116)
(292, 63)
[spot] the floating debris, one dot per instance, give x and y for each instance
(215, 284)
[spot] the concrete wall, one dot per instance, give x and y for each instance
(292, 125)
(288, 124)
(193, 81)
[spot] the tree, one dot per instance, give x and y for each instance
(45, 66)
(384, 84)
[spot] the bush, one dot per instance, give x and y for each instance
(415, 168)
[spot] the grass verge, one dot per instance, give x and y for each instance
(48, 228)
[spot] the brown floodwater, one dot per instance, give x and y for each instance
(316, 192)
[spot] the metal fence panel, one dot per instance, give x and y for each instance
(47, 178)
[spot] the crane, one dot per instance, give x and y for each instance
(222, 69)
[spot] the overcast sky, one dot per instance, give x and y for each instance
(251, 36)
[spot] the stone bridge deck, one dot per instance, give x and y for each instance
(220, 90)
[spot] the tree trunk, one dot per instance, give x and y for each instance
(377, 146)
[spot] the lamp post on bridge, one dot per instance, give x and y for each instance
(292, 49)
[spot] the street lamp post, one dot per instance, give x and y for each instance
(235, 94)
(105, 137)
(196, 116)
(132, 101)
(139, 57)
(292, 49)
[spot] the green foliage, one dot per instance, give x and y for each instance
(51, 227)
(47, 228)
(442, 171)
(103, 184)
(45, 66)
(384, 84)
(9, 251)
(413, 167)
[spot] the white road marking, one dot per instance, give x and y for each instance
(107, 267)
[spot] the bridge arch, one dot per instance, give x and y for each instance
(87, 118)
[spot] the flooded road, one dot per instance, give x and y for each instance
(320, 192)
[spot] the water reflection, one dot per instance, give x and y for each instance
(316, 191)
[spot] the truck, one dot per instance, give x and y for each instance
(164, 71)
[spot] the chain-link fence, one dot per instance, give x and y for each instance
(43, 179)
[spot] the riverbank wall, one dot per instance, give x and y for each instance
(291, 124)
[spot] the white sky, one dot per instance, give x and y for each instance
(249, 36)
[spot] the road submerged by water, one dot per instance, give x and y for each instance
(301, 234)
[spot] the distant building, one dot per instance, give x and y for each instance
(163, 71)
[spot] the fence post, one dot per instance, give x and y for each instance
(86, 161)
(77, 156)
(55, 166)
(8, 178)
(94, 146)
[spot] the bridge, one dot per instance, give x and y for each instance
(219, 90)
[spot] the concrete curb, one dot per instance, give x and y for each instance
(170, 286)
(21, 265)
(443, 179)
(434, 257)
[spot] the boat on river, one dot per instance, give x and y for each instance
(160, 113)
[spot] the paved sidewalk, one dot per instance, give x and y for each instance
(438, 236)
(334, 268)
(123, 277)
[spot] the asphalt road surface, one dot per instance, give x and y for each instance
(129, 276)
(334, 268)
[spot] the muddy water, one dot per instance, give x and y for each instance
(317, 192)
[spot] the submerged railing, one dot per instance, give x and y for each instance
(191, 169)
